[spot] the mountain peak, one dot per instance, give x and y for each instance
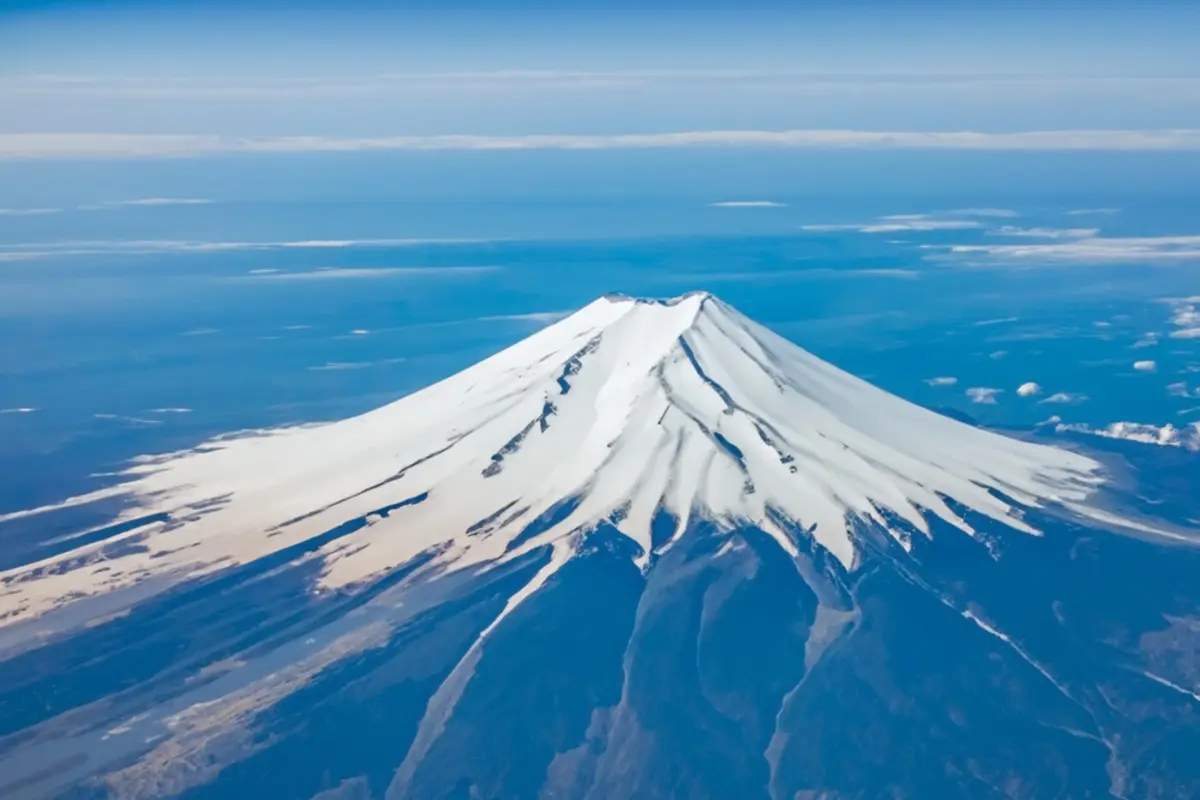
(697, 294)
(643, 415)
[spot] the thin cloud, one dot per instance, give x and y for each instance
(134, 145)
(539, 317)
(353, 273)
(897, 223)
(985, 323)
(1046, 233)
(1145, 366)
(28, 212)
(19, 410)
(748, 204)
(42, 250)
(1093, 212)
(339, 366)
(1063, 398)
(942, 381)
(148, 202)
(816, 273)
(980, 212)
(1094, 249)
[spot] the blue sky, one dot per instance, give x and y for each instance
(350, 71)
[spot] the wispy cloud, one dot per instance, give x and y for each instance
(19, 410)
(27, 212)
(1064, 398)
(983, 395)
(979, 212)
(816, 273)
(897, 223)
(339, 366)
(147, 202)
(942, 381)
(1089, 212)
(352, 273)
(987, 323)
(1046, 233)
(133, 145)
(1092, 249)
(748, 204)
(40, 250)
(136, 422)
(539, 317)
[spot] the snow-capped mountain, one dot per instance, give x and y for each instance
(639, 413)
(672, 540)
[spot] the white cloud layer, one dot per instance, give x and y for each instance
(136, 145)
(1145, 366)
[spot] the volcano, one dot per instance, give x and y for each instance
(653, 550)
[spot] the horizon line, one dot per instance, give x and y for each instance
(70, 146)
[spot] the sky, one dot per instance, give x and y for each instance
(143, 79)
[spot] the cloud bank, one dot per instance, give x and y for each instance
(139, 145)
(1168, 435)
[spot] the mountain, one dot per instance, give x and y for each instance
(654, 550)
